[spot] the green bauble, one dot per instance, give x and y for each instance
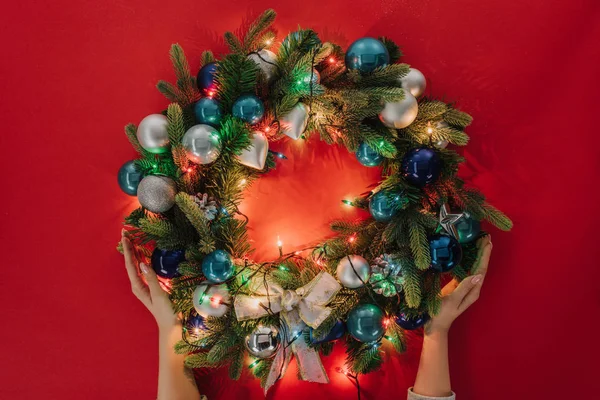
(467, 228)
(365, 323)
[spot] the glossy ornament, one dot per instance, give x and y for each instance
(152, 134)
(367, 156)
(367, 54)
(157, 193)
(211, 301)
(129, 177)
(421, 166)
(400, 114)
(202, 144)
(166, 262)
(263, 342)
(337, 332)
(294, 123)
(256, 155)
(384, 204)
(206, 79)
(316, 77)
(353, 271)
(411, 323)
(249, 108)
(448, 220)
(441, 144)
(207, 111)
(217, 266)
(468, 228)
(266, 61)
(194, 325)
(365, 323)
(414, 82)
(445, 251)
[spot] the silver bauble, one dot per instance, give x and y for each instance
(353, 271)
(152, 133)
(316, 77)
(414, 82)
(256, 155)
(263, 342)
(266, 61)
(294, 123)
(157, 193)
(202, 144)
(211, 301)
(441, 144)
(400, 114)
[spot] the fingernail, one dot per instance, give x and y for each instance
(144, 268)
(476, 279)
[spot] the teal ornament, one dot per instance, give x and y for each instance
(468, 228)
(365, 323)
(445, 251)
(217, 266)
(386, 276)
(207, 111)
(367, 156)
(129, 178)
(367, 54)
(249, 108)
(386, 203)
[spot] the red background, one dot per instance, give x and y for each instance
(73, 73)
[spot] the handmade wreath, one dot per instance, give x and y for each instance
(375, 278)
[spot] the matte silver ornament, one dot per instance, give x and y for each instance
(414, 82)
(316, 77)
(263, 342)
(202, 144)
(152, 133)
(266, 61)
(256, 155)
(441, 144)
(448, 220)
(211, 301)
(400, 114)
(294, 123)
(157, 193)
(353, 271)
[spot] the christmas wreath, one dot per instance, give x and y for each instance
(369, 283)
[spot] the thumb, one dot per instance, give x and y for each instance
(464, 288)
(151, 280)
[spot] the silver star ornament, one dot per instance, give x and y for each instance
(448, 221)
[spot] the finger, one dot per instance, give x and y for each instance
(152, 281)
(138, 287)
(484, 252)
(463, 289)
(472, 295)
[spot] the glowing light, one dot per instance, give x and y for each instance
(215, 301)
(429, 128)
(331, 60)
(268, 42)
(253, 364)
(391, 339)
(267, 129)
(386, 322)
(196, 331)
(352, 239)
(210, 93)
(298, 252)
(279, 242)
(348, 202)
(243, 182)
(283, 268)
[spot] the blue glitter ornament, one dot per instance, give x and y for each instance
(412, 323)
(338, 331)
(207, 111)
(206, 79)
(446, 252)
(421, 166)
(365, 323)
(467, 228)
(367, 54)
(367, 156)
(166, 262)
(386, 203)
(217, 266)
(248, 108)
(129, 178)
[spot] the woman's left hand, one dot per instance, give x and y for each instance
(149, 292)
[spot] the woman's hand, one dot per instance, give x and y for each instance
(149, 292)
(457, 297)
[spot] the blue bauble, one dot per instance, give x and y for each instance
(365, 323)
(166, 262)
(207, 111)
(206, 78)
(385, 204)
(194, 324)
(217, 266)
(468, 228)
(367, 54)
(367, 156)
(446, 252)
(338, 331)
(421, 166)
(411, 323)
(129, 178)
(248, 108)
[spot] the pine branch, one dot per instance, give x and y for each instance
(131, 132)
(392, 48)
(419, 244)
(496, 217)
(175, 126)
(261, 24)
(412, 283)
(194, 214)
(207, 57)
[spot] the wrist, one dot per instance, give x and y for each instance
(436, 332)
